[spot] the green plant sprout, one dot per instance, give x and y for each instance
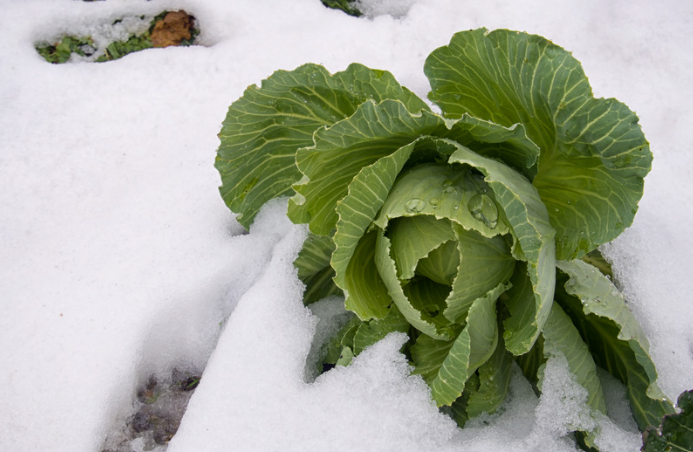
(345, 5)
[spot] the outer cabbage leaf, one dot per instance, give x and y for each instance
(614, 337)
(562, 338)
(264, 128)
(510, 145)
(494, 383)
(371, 332)
(356, 335)
(676, 430)
(447, 364)
(428, 355)
(458, 409)
(313, 264)
(593, 153)
(531, 362)
(339, 348)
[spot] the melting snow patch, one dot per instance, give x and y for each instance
(394, 8)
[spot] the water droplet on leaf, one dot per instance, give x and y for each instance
(484, 209)
(414, 205)
(433, 201)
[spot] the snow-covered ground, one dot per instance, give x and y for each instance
(118, 258)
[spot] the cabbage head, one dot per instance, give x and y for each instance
(473, 228)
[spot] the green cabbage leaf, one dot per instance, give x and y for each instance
(676, 431)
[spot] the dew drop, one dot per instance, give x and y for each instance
(483, 209)
(434, 201)
(414, 205)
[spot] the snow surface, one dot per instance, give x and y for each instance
(119, 259)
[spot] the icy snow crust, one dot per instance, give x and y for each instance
(118, 258)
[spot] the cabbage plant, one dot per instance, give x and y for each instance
(472, 227)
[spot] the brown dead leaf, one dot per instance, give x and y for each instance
(172, 29)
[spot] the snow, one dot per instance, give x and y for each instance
(118, 258)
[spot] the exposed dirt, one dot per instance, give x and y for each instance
(158, 411)
(175, 27)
